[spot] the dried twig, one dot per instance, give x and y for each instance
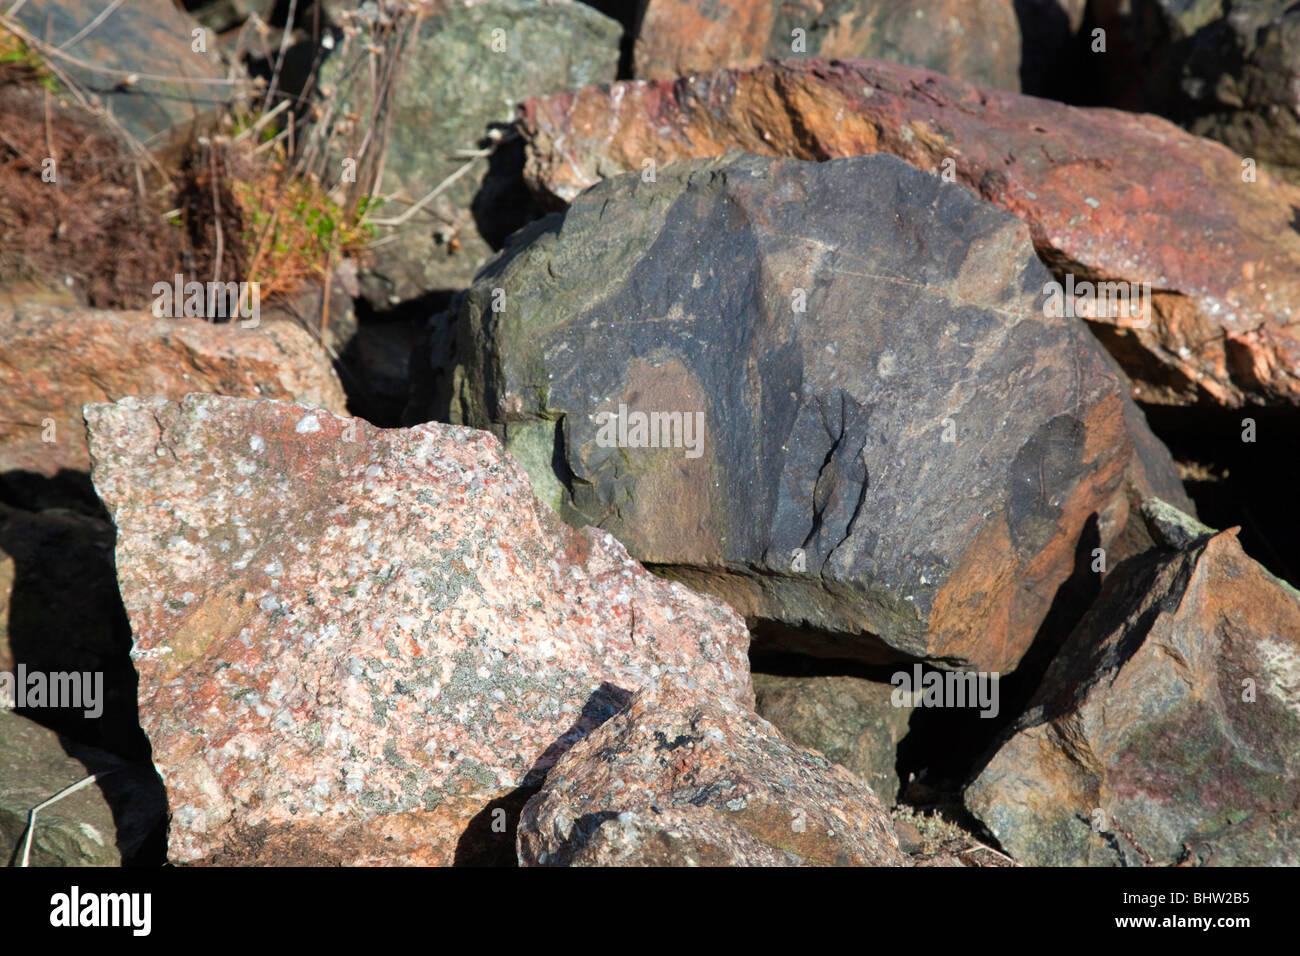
(65, 792)
(103, 15)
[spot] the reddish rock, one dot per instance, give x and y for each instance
(1168, 729)
(355, 645)
(1108, 196)
(55, 360)
(977, 40)
(686, 778)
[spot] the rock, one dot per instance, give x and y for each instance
(63, 615)
(456, 82)
(118, 819)
(1225, 69)
(356, 645)
(849, 719)
(977, 40)
(879, 433)
(684, 777)
(56, 360)
(1224, 299)
(1166, 730)
(150, 38)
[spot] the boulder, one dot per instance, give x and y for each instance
(118, 819)
(977, 40)
(462, 68)
(363, 646)
(1167, 731)
(1103, 193)
(1225, 69)
(851, 720)
(684, 777)
(864, 421)
(55, 360)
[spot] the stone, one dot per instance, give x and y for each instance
(879, 433)
(361, 645)
(1225, 69)
(463, 69)
(684, 777)
(55, 360)
(1102, 192)
(977, 40)
(1165, 732)
(850, 720)
(181, 83)
(118, 819)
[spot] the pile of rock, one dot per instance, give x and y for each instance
(775, 483)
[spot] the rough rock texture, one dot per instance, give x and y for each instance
(54, 360)
(977, 40)
(115, 820)
(685, 778)
(454, 84)
(150, 37)
(60, 612)
(890, 438)
(1168, 729)
(352, 640)
(850, 720)
(1107, 196)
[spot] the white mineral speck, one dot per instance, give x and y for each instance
(308, 423)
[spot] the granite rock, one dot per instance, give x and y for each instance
(356, 645)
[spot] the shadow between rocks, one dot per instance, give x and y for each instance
(489, 840)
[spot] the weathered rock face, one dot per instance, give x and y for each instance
(53, 361)
(864, 422)
(351, 640)
(686, 778)
(850, 720)
(113, 821)
(1226, 69)
(463, 68)
(1166, 731)
(977, 40)
(1222, 255)
(146, 37)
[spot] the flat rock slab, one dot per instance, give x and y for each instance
(977, 40)
(878, 431)
(352, 640)
(1107, 196)
(113, 821)
(685, 778)
(153, 38)
(55, 360)
(1168, 729)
